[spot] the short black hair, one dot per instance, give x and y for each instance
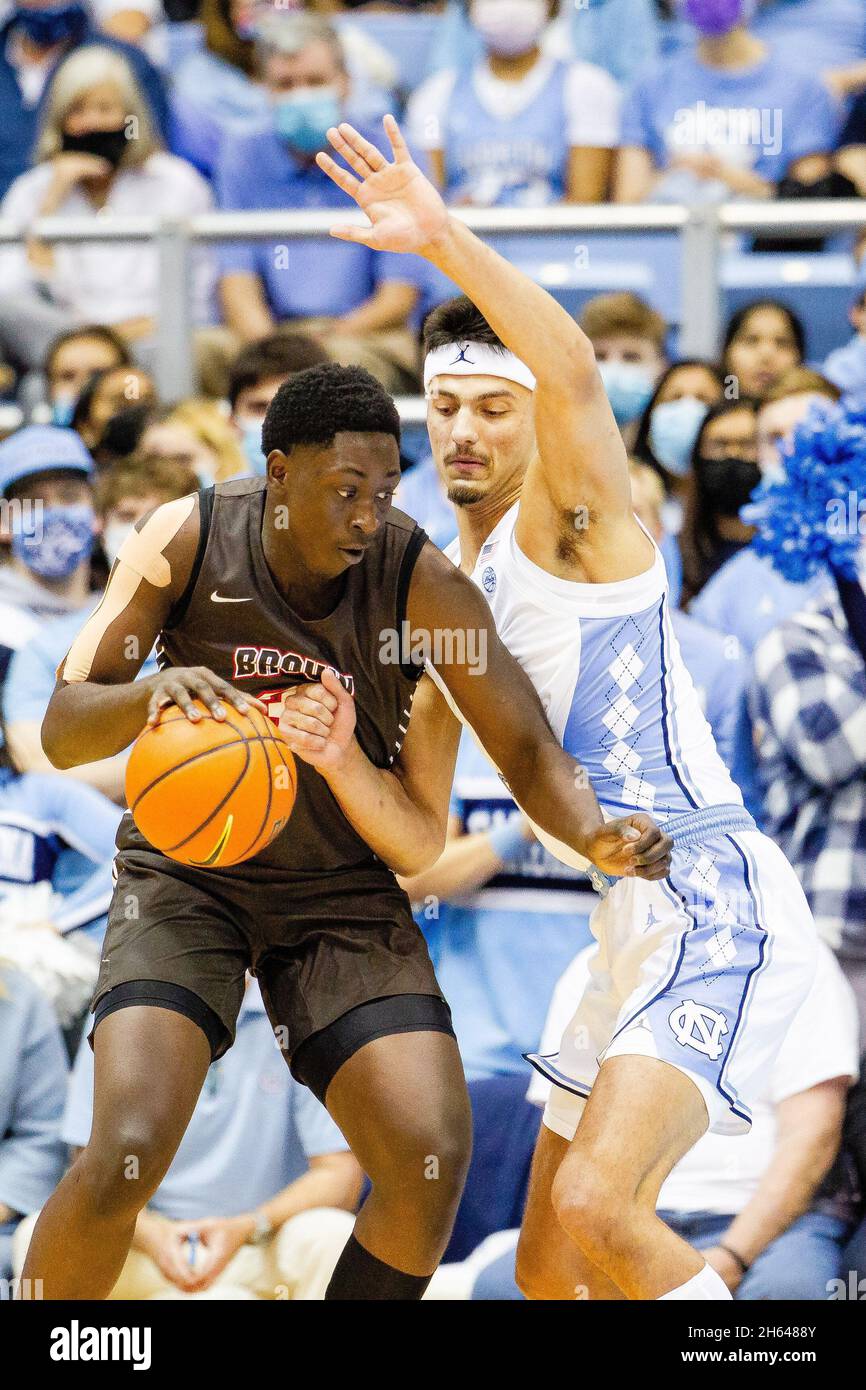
(315, 405)
(455, 321)
(279, 354)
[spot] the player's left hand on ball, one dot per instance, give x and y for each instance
(318, 721)
(632, 847)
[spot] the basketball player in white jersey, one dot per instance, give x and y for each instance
(696, 977)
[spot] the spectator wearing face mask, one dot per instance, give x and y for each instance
(517, 128)
(723, 476)
(720, 604)
(763, 340)
(665, 441)
(357, 302)
(106, 395)
(33, 40)
(98, 155)
(72, 360)
(620, 36)
(670, 424)
(124, 495)
(729, 118)
(48, 527)
(628, 338)
(216, 89)
(255, 377)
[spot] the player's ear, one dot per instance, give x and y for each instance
(278, 465)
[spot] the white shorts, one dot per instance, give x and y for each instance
(703, 970)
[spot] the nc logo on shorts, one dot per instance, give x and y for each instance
(694, 1025)
(488, 579)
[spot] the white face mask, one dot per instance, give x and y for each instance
(113, 537)
(509, 27)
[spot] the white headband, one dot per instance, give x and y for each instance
(476, 359)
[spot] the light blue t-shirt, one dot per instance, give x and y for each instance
(30, 682)
(498, 161)
(716, 665)
(33, 1071)
(499, 953)
(319, 276)
(823, 33)
(747, 597)
(253, 1131)
(763, 118)
(846, 366)
(45, 819)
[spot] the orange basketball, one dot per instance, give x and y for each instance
(211, 793)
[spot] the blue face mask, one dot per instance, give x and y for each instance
(629, 388)
(62, 411)
(303, 120)
(54, 24)
(251, 444)
(56, 547)
(674, 427)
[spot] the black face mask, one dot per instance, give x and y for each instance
(727, 484)
(107, 144)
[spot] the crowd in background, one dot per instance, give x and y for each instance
(128, 107)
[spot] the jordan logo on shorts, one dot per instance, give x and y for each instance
(694, 1025)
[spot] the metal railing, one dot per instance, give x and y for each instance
(701, 229)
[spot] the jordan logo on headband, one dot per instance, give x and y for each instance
(463, 357)
(486, 360)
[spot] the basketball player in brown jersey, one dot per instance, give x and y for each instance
(252, 588)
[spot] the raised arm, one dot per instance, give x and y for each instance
(581, 469)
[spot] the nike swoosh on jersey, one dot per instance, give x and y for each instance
(218, 598)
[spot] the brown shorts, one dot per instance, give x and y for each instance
(317, 952)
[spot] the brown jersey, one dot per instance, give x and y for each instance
(233, 619)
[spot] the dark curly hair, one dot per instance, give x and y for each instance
(315, 405)
(455, 321)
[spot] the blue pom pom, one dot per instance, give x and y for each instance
(810, 520)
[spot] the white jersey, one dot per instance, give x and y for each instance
(607, 666)
(682, 963)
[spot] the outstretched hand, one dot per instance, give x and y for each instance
(405, 210)
(631, 847)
